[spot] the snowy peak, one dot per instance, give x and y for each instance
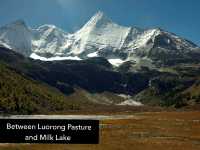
(49, 39)
(49, 28)
(98, 20)
(158, 38)
(17, 23)
(17, 36)
(171, 41)
(46, 28)
(100, 36)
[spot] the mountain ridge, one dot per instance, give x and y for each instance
(99, 37)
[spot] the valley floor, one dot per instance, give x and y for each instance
(143, 131)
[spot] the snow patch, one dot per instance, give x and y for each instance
(95, 54)
(5, 45)
(37, 57)
(116, 62)
(130, 103)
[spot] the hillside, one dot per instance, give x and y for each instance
(179, 88)
(22, 95)
(95, 82)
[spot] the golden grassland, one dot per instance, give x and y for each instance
(146, 131)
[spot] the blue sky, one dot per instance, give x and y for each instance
(179, 16)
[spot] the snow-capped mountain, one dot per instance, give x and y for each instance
(17, 36)
(100, 36)
(49, 39)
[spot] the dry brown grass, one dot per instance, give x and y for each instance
(148, 131)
